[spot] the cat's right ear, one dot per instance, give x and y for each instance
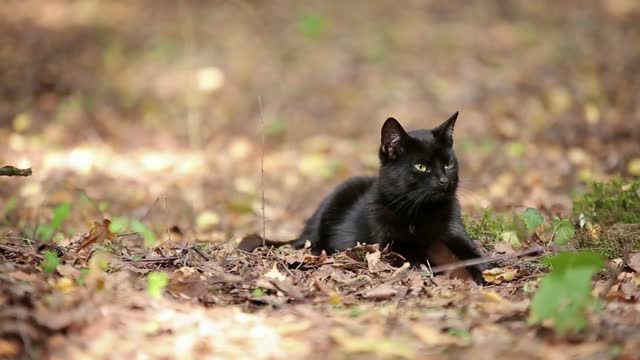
(394, 138)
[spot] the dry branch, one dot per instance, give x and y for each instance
(13, 171)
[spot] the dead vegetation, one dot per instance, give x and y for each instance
(149, 114)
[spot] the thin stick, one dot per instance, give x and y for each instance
(264, 219)
(13, 171)
(14, 250)
(162, 259)
(484, 260)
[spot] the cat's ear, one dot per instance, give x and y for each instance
(394, 138)
(444, 132)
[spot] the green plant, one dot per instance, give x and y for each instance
(563, 229)
(312, 24)
(564, 295)
(489, 226)
(156, 283)
(616, 201)
(50, 262)
(61, 213)
(257, 292)
(121, 223)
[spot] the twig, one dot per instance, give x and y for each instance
(199, 252)
(146, 215)
(15, 250)
(264, 226)
(127, 233)
(13, 171)
(484, 260)
(154, 260)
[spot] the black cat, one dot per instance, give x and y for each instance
(410, 206)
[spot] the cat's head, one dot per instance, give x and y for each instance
(418, 167)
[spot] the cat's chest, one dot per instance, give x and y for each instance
(416, 229)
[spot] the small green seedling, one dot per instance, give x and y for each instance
(156, 283)
(564, 295)
(50, 262)
(61, 213)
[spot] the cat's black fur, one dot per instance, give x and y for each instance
(402, 207)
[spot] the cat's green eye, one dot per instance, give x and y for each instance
(449, 165)
(421, 167)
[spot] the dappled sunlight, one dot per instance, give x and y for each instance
(159, 134)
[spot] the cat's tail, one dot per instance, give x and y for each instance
(254, 241)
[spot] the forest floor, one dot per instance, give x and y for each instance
(160, 133)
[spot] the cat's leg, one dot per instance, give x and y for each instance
(465, 249)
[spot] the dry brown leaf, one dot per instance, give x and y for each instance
(68, 270)
(433, 337)
(187, 283)
(288, 288)
(382, 292)
(275, 274)
(9, 348)
(634, 262)
(98, 233)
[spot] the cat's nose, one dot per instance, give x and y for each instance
(443, 181)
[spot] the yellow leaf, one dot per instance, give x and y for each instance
(207, 219)
(634, 167)
(65, 285)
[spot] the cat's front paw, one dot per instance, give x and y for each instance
(476, 272)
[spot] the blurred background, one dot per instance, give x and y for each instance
(158, 109)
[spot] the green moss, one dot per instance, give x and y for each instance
(487, 228)
(617, 201)
(610, 213)
(610, 240)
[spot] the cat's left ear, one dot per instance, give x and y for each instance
(444, 132)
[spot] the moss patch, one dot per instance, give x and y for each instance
(614, 202)
(610, 213)
(487, 228)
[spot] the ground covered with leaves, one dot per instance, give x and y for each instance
(160, 133)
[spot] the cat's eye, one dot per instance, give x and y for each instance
(421, 167)
(449, 165)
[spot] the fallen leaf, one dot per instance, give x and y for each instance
(187, 283)
(68, 270)
(382, 292)
(381, 347)
(433, 337)
(374, 263)
(65, 285)
(98, 233)
(275, 274)
(499, 275)
(288, 288)
(9, 349)
(206, 220)
(634, 262)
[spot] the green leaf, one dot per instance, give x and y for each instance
(156, 282)
(257, 292)
(532, 218)
(118, 224)
(148, 235)
(511, 237)
(11, 205)
(563, 231)
(275, 127)
(564, 295)
(50, 262)
(312, 25)
(60, 214)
